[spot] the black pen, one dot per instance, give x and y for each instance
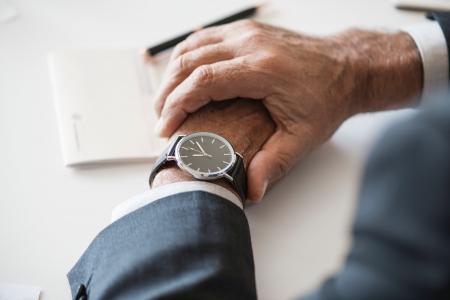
(246, 13)
(423, 6)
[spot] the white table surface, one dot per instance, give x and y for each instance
(49, 213)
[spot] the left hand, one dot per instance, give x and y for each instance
(246, 124)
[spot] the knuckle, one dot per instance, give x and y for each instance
(268, 61)
(203, 75)
(180, 64)
(283, 165)
(248, 23)
(254, 37)
(172, 105)
(195, 36)
(180, 48)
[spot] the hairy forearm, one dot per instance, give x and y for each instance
(388, 69)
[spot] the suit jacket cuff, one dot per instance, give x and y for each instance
(192, 245)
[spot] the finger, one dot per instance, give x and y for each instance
(183, 66)
(211, 35)
(219, 81)
(203, 37)
(280, 152)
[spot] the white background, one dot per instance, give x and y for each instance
(49, 213)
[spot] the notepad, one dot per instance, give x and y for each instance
(10, 291)
(104, 105)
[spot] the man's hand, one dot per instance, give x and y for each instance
(309, 85)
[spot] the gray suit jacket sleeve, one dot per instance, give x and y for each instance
(401, 234)
(189, 246)
(197, 246)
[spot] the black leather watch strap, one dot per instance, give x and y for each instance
(239, 178)
(162, 159)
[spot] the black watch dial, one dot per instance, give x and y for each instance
(205, 155)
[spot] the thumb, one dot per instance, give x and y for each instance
(280, 152)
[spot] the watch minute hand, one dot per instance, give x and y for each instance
(200, 147)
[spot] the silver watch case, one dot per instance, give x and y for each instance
(200, 175)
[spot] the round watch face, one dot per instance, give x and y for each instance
(205, 155)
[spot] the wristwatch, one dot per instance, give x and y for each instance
(206, 156)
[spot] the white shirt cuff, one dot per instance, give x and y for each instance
(158, 193)
(432, 46)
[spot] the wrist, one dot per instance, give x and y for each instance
(173, 174)
(170, 174)
(387, 70)
(246, 124)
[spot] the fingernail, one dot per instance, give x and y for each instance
(265, 185)
(158, 127)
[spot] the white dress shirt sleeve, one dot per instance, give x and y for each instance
(430, 41)
(158, 193)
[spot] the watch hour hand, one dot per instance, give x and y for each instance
(193, 149)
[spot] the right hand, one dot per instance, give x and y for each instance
(309, 85)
